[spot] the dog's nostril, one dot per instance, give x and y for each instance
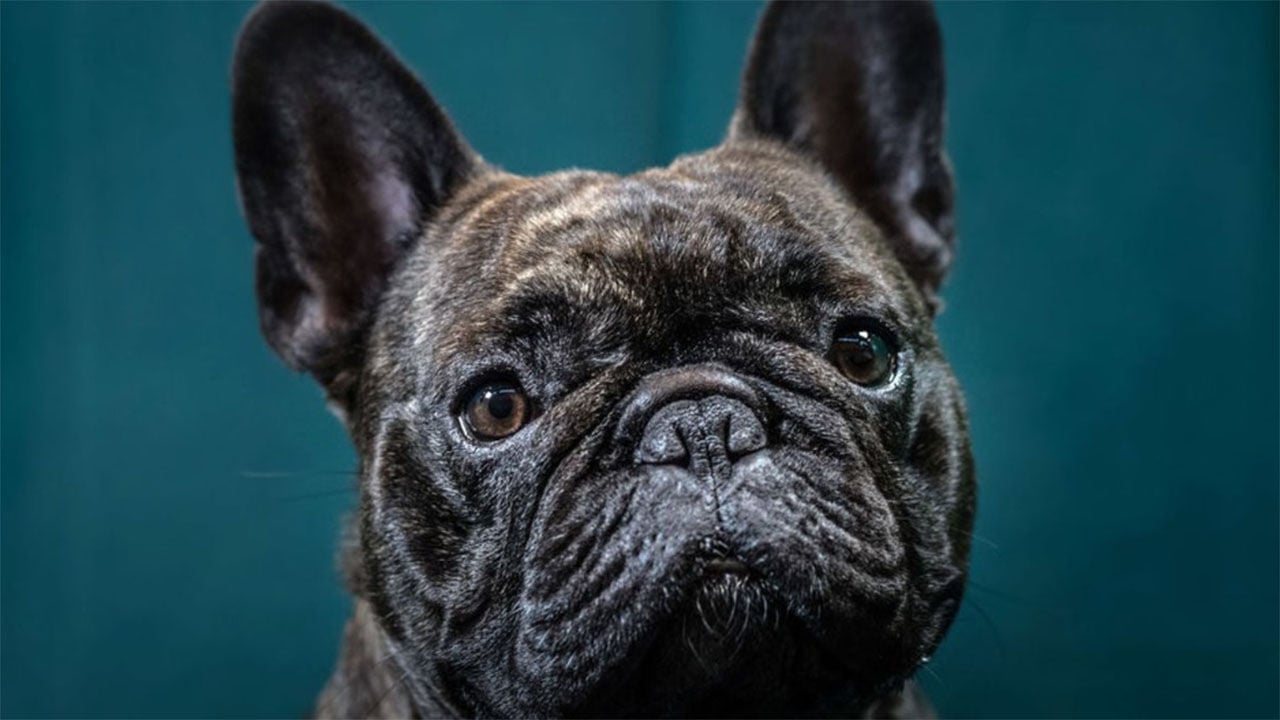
(662, 443)
(745, 433)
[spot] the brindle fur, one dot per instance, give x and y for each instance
(548, 573)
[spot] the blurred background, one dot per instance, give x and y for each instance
(171, 494)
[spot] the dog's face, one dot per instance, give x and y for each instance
(681, 442)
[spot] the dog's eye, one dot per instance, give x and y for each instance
(864, 356)
(495, 411)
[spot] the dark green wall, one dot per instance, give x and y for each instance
(171, 494)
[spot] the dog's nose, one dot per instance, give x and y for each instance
(715, 427)
(694, 414)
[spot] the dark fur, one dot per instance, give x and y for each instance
(567, 570)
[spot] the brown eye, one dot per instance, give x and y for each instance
(864, 357)
(495, 411)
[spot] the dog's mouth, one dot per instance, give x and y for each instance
(727, 608)
(731, 649)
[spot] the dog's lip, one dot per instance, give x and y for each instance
(728, 566)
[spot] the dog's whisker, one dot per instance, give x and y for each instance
(688, 642)
(315, 495)
(279, 474)
(933, 673)
(990, 625)
(366, 678)
(401, 676)
(1001, 594)
(985, 541)
(702, 615)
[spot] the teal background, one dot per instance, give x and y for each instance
(171, 495)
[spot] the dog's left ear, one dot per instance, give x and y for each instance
(859, 87)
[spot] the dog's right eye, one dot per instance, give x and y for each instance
(495, 411)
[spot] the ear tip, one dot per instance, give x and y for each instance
(276, 25)
(282, 41)
(267, 16)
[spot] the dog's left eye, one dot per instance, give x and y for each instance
(864, 356)
(495, 411)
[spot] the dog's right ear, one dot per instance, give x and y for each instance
(342, 157)
(858, 86)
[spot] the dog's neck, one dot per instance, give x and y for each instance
(370, 683)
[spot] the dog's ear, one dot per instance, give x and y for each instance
(859, 87)
(341, 157)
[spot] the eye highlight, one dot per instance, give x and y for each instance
(864, 356)
(495, 411)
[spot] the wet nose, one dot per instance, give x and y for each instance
(695, 415)
(715, 427)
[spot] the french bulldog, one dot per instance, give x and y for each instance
(676, 443)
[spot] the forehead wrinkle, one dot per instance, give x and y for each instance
(603, 235)
(652, 286)
(755, 217)
(777, 185)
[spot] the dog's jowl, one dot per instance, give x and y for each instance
(676, 443)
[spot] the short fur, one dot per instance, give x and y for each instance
(571, 569)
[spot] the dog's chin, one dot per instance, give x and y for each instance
(646, 602)
(733, 650)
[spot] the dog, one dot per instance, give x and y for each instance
(676, 443)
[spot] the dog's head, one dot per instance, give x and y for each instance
(677, 442)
